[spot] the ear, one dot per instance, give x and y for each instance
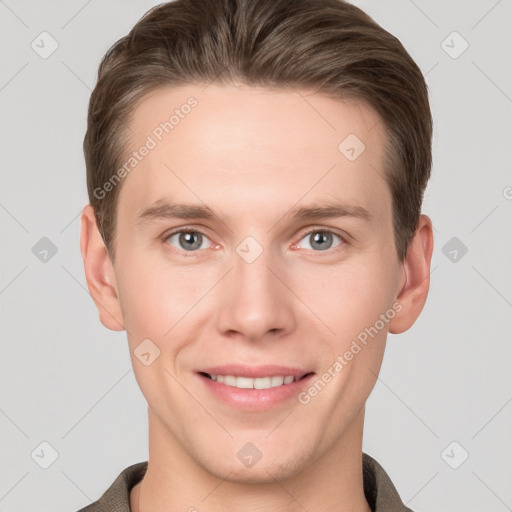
(99, 272)
(416, 280)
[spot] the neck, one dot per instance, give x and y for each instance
(175, 481)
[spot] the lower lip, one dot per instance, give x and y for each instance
(255, 399)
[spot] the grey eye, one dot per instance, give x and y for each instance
(320, 240)
(188, 240)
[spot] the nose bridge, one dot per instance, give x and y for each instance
(255, 301)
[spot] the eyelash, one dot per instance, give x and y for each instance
(185, 229)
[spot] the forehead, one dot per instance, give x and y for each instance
(249, 148)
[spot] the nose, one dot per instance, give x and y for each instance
(254, 303)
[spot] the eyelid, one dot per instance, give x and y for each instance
(183, 229)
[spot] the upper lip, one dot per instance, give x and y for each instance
(254, 371)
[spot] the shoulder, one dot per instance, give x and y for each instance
(117, 497)
(379, 490)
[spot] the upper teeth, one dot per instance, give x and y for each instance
(248, 382)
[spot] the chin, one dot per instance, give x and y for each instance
(253, 476)
(264, 471)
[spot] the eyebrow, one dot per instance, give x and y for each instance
(165, 210)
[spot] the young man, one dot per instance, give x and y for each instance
(255, 172)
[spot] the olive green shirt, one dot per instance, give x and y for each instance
(379, 491)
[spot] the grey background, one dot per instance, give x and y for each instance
(67, 380)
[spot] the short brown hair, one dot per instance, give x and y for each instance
(329, 46)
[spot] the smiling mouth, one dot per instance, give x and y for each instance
(254, 383)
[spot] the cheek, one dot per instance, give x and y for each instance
(144, 304)
(350, 296)
(161, 300)
(152, 297)
(159, 304)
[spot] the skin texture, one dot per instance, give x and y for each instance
(252, 155)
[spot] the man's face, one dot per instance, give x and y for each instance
(256, 290)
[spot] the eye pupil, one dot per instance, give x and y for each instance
(190, 240)
(321, 237)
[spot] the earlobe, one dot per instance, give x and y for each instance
(415, 284)
(99, 272)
